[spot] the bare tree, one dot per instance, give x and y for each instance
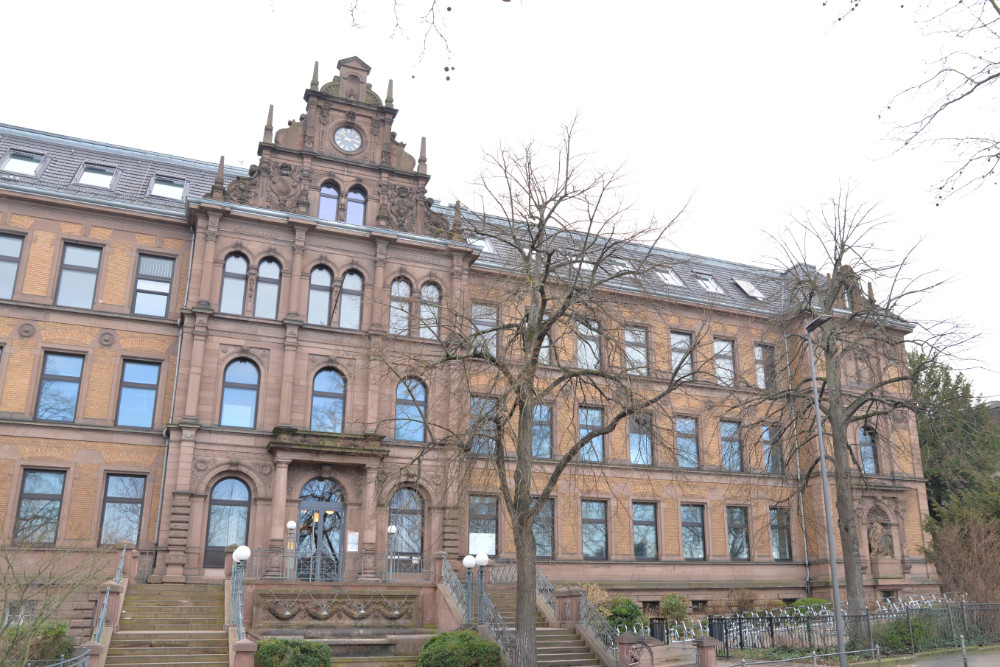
(563, 270)
(862, 367)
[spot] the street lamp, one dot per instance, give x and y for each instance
(290, 527)
(468, 563)
(392, 549)
(834, 576)
(482, 560)
(240, 557)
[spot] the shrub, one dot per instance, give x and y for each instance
(597, 596)
(741, 600)
(673, 606)
(298, 652)
(622, 610)
(462, 648)
(808, 602)
(48, 641)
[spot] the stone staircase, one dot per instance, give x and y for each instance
(556, 647)
(171, 624)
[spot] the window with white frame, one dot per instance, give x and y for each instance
(636, 351)
(588, 345)
(137, 394)
(10, 260)
(681, 355)
(725, 363)
(591, 419)
(78, 276)
(708, 282)
(25, 164)
(96, 176)
(320, 296)
(153, 278)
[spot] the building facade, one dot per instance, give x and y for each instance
(194, 356)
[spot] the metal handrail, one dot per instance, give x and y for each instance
(498, 627)
(121, 567)
(236, 598)
(99, 627)
(454, 586)
(75, 661)
(544, 588)
(286, 565)
(598, 625)
(503, 572)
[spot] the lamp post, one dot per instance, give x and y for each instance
(482, 560)
(392, 550)
(240, 557)
(290, 549)
(468, 563)
(834, 576)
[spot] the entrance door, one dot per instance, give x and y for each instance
(320, 547)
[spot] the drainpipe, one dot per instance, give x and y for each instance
(173, 396)
(798, 470)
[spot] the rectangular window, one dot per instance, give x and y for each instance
(22, 163)
(693, 531)
(725, 363)
(152, 285)
(588, 345)
(60, 387)
(483, 525)
(168, 188)
(484, 327)
(137, 398)
(543, 528)
(781, 534)
(483, 425)
(708, 282)
(545, 351)
(39, 506)
(749, 289)
(640, 440)
(681, 356)
(99, 177)
(764, 363)
(591, 419)
(869, 452)
(78, 276)
(736, 523)
(122, 509)
(732, 448)
(686, 437)
(644, 530)
(541, 432)
(774, 463)
(10, 259)
(636, 352)
(595, 529)
(670, 277)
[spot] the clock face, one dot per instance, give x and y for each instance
(347, 139)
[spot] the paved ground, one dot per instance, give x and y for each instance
(976, 659)
(672, 657)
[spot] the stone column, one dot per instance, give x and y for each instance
(369, 507)
(288, 374)
(209, 231)
(295, 306)
(706, 647)
(279, 499)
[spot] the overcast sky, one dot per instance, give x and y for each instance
(751, 112)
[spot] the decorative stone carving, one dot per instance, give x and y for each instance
(243, 188)
(375, 126)
(106, 339)
(401, 207)
(283, 188)
(26, 330)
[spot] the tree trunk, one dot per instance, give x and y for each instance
(846, 520)
(525, 654)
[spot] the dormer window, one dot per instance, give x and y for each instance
(670, 277)
(168, 188)
(708, 282)
(329, 199)
(749, 289)
(483, 245)
(96, 176)
(22, 163)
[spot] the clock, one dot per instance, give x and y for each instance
(347, 139)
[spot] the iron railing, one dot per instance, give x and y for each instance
(545, 589)
(144, 566)
(455, 588)
(503, 572)
(121, 567)
(75, 661)
(598, 625)
(498, 627)
(99, 626)
(284, 565)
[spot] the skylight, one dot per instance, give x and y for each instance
(583, 266)
(99, 177)
(169, 188)
(670, 277)
(484, 245)
(749, 288)
(21, 163)
(619, 266)
(708, 282)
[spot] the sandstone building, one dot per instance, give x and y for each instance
(190, 358)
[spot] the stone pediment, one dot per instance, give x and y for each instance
(333, 90)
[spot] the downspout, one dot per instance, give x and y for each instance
(798, 470)
(173, 396)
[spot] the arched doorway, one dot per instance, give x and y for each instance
(320, 547)
(228, 519)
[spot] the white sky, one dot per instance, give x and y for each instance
(752, 110)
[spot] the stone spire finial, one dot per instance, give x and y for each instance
(219, 186)
(456, 225)
(388, 95)
(314, 84)
(269, 125)
(422, 161)
(871, 293)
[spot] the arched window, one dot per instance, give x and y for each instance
(329, 389)
(234, 284)
(411, 410)
(430, 310)
(355, 207)
(268, 287)
(329, 199)
(351, 292)
(320, 291)
(239, 394)
(399, 307)
(406, 513)
(228, 519)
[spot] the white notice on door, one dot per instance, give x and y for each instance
(352, 541)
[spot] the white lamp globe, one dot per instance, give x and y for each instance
(482, 559)
(469, 562)
(392, 529)
(291, 525)
(241, 554)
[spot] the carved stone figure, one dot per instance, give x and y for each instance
(880, 540)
